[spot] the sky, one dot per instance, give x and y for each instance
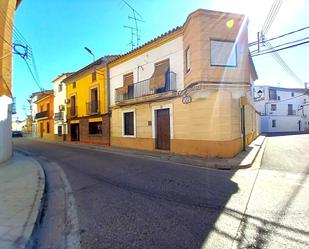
(58, 31)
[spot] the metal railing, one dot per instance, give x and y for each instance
(142, 88)
(72, 111)
(58, 116)
(44, 114)
(93, 107)
(291, 112)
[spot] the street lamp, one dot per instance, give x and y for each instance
(90, 52)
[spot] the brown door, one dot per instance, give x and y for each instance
(41, 129)
(163, 136)
(74, 132)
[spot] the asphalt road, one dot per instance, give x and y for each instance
(100, 200)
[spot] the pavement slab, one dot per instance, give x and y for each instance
(22, 183)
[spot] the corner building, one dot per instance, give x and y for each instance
(188, 91)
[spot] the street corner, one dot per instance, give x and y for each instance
(22, 185)
(245, 159)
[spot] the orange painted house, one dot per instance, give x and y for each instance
(45, 116)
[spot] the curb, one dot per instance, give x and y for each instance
(221, 164)
(38, 203)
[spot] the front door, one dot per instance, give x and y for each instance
(163, 136)
(41, 129)
(74, 132)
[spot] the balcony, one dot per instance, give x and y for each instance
(41, 115)
(72, 112)
(58, 116)
(143, 89)
(291, 112)
(93, 107)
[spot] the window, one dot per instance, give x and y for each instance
(188, 61)
(59, 130)
(273, 123)
(47, 127)
(60, 87)
(41, 108)
(290, 109)
(74, 84)
(273, 94)
(94, 76)
(47, 107)
(95, 128)
(73, 110)
(94, 103)
(292, 94)
(223, 53)
(128, 123)
(278, 97)
(273, 107)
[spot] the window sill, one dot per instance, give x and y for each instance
(129, 136)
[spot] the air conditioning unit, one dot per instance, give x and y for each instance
(61, 107)
(67, 101)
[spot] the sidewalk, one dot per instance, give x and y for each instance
(243, 160)
(22, 183)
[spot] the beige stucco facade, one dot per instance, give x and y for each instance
(204, 108)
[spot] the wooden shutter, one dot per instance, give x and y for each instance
(128, 79)
(157, 80)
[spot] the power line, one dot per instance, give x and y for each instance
(35, 80)
(255, 52)
(274, 52)
(280, 49)
(274, 11)
(280, 36)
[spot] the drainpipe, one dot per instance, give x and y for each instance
(108, 100)
(243, 127)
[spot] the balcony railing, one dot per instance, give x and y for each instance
(291, 112)
(72, 111)
(44, 114)
(58, 116)
(142, 88)
(93, 107)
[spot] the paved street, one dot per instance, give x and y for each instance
(105, 200)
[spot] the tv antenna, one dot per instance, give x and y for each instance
(136, 17)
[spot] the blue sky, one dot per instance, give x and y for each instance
(58, 30)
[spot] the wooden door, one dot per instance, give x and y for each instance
(74, 132)
(41, 129)
(163, 136)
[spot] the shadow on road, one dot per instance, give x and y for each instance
(127, 202)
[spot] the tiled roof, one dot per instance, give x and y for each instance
(149, 42)
(103, 60)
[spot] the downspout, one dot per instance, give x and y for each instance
(243, 127)
(108, 101)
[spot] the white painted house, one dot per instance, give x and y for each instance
(282, 109)
(60, 111)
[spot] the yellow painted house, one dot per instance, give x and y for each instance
(87, 103)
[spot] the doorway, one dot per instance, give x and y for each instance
(41, 129)
(163, 134)
(74, 132)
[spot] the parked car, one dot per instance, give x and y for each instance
(17, 134)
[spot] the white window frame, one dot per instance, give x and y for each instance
(228, 63)
(134, 119)
(159, 107)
